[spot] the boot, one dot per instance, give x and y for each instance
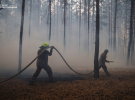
(31, 83)
(108, 75)
(51, 80)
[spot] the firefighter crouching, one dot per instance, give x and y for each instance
(42, 62)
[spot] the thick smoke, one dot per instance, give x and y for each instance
(80, 59)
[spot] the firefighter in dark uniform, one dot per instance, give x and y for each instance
(102, 60)
(42, 62)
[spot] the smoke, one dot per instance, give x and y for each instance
(80, 59)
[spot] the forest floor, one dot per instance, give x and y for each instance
(119, 86)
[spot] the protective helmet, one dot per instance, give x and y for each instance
(106, 51)
(45, 44)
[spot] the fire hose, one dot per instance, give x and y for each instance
(37, 57)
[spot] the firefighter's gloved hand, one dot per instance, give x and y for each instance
(108, 61)
(52, 47)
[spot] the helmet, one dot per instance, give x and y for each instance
(45, 44)
(106, 51)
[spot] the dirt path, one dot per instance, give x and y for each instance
(119, 86)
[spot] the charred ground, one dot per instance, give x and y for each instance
(119, 86)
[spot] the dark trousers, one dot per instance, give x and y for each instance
(47, 68)
(104, 68)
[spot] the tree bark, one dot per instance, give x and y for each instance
(65, 1)
(71, 15)
(109, 23)
(93, 24)
(96, 69)
(85, 12)
(50, 20)
(30, 17)
(125, 34)
(114, 38)
(88, 22)
(111, 26)
(0, 5)
(131, 32)
(21, 36)
(57, 19)
(80, 26)
(88, 15)
(39, 4)
(54, 12)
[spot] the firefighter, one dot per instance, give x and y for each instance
(42, 62)
(102, 60)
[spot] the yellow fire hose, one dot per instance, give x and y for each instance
(37, 57)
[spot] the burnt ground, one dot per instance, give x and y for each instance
(119, 86)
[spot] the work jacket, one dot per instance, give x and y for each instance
(43, 58)
(102, 59)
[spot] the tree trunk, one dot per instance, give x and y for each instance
(54, 12)
(85, 12)
(131, 32)
(88, 22)
(71, 16)
(114, 38)
(125, 35)
(93, 24)
(132, 51)
(77, 17)
(69, 24)
(65, 1)
(21, 35)
(50, 20)
(111, 26)
(109, 23)
(96, 69)
(88, 15)
(0, 5)
(30, 17)
(38, 14)
(80, 26)
(57, 19)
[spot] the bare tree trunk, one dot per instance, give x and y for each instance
(125, 34)
(109, 23)
(96, 69)
(54, 12)
(88, 22)
(50, 20)
(71, 16)
(111, 26)
(131, 32)
(80, 25)
(21, 36)
(65, 1)
(132, 51)
(88, 15)
(57, 19)
(85, 12)
(0, 5)
(38, 14)
(69, 24)
(77, 17)
(93, 23)
(114, 38)
(30, 17)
